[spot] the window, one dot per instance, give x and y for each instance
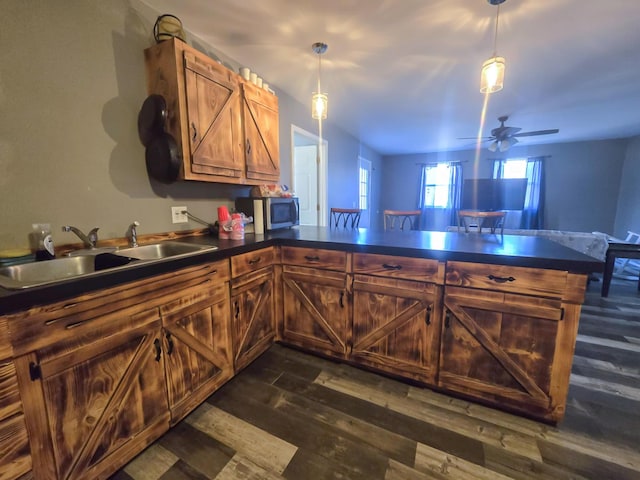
(515, 168)
(364, 191)
(365, 168)
(437, 186)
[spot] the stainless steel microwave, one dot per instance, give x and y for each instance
(270, 213)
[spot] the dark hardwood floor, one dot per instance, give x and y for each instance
(295, 416)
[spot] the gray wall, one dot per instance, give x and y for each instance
(71, 86)
(583, 180)
(628, 213)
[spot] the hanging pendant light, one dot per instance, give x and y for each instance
(319, 101)
(492, 76)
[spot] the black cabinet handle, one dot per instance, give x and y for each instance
(312, 258)
(237, 307)
(169, 343)
(248, 147)
(428, 317)
(156, 345)
(254, 261)
(500, 279)
(561, 313)
(392, 267)
(342, 299)
(195, 132)
(447, 319)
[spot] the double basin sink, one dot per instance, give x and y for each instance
(90, 262)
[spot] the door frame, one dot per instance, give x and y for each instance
(322, 165)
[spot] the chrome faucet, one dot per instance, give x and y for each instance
(133, 234)
(89, 240)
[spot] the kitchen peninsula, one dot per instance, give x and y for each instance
(488, 317)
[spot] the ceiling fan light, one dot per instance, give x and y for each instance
(319, 106)
(493, 147)
(492, 76)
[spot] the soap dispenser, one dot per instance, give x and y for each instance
(42, 241)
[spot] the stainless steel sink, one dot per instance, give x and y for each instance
(50, 271)
(158, 251)
(35, 274)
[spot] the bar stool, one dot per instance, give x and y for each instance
(350, 216)
(401, 217)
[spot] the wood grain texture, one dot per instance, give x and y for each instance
(417, 433)
(260, 121)
(396, 326)
(314, 257)
(316, 310)
(530, 281)
(253, 312)
(421, 269)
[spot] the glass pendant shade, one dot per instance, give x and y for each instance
(319, 106)
(492, 76)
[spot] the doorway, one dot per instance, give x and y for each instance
(309, 176)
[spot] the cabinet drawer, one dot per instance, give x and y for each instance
(315, 257)
(422, 269)
(86, 318)
(252, 261)
(504, 278)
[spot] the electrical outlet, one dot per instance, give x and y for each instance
(177, 216)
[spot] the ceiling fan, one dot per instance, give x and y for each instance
(503, 137)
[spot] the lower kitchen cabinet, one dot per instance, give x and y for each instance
(396, 314)
(98, 373)
(15, 457)
(505, 348)
(252, 305)
(197, 341)
(316, 310)
(396, 326)
(90, 408)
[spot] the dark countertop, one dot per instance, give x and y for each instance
(512, 250)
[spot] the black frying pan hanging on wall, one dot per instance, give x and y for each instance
(163, 158)
(151, 118)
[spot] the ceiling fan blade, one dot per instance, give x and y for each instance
(537, 132)
(509, 131)
(484, 139)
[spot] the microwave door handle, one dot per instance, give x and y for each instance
(294, 209)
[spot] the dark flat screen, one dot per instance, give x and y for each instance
(490, 194)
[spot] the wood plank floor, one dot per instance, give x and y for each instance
(295, 416)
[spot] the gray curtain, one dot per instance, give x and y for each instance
(435, 218)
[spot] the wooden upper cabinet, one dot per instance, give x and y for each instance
(225, 128)
(260, 120)
(213, 113)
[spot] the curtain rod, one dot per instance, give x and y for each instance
(516, 158)
(452, 162)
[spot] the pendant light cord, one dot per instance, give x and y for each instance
(495, 37)
(319, 71)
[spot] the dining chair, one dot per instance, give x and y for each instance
(345, 216)
(402, 219)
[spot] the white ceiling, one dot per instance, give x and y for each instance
(404, 75)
